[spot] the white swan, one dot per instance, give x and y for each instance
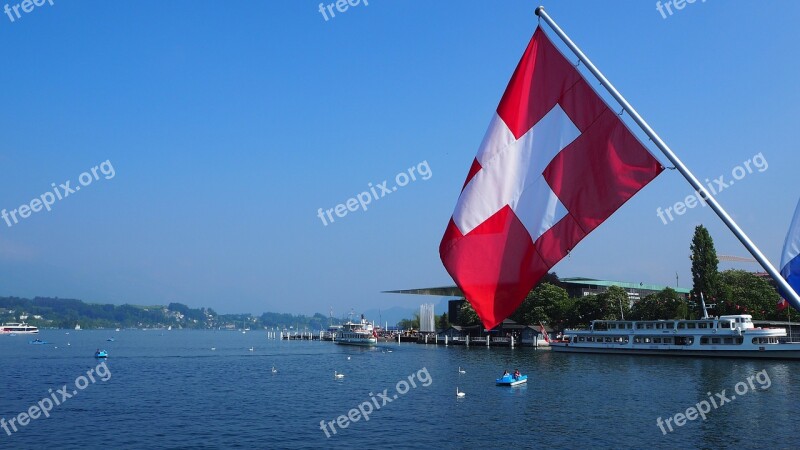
(274, 370)
(459, 394)
(251, 349)
(460, 370)
(348, 358)
(337, 374)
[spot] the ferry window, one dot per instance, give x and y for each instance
(669, 325)
(756, 341)
(656, 340)
(668, 340)
(624, 340)
(647, 340)
(649, 326)
(608, 339)
(715, 340)
(681, 325)
(728, 341)
(612, 326)
(691, 325)
(659, 326)
(702, 325)
(739, 341)
(581, 339)
(639, 325)
(637, 340)
(703, 340)
(690, 341)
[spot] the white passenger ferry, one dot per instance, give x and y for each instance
(19, 328)
(729, 336)
(357, 333)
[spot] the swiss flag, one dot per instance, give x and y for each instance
(556, 161)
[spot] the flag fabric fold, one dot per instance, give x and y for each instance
(555, 163)
(790, 259)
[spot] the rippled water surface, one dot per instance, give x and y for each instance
(169, 389)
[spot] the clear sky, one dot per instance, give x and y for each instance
(229, 124)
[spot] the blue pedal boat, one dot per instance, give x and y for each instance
(101, 354)
(510, 380)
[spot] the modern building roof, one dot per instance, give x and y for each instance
(454, 291)
(622, 284)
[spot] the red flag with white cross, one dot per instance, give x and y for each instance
(555, 163)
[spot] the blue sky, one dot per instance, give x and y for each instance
(229, 124)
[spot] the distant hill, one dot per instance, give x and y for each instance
(45, 312)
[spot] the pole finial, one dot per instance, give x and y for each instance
(539, 9)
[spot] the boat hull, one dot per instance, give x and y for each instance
(759, 354)
(359, 342)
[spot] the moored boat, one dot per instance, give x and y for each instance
(357, 333)
(101, 354)
(724, 336)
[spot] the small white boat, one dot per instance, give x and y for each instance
(18, 328)
(338, 375)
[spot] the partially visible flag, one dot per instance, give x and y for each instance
(544, 333)
(790, 260)
(555, 163)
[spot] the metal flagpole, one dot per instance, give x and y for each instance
(794, 298)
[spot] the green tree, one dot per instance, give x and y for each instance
(618, 302)
(467, 315)
(544, 303)
(666, 304)
(704, 266)
(743, 292)
(410, 324)
(444, 323)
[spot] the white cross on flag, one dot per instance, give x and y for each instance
(556, 161)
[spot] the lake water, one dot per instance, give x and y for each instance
(168, 389)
